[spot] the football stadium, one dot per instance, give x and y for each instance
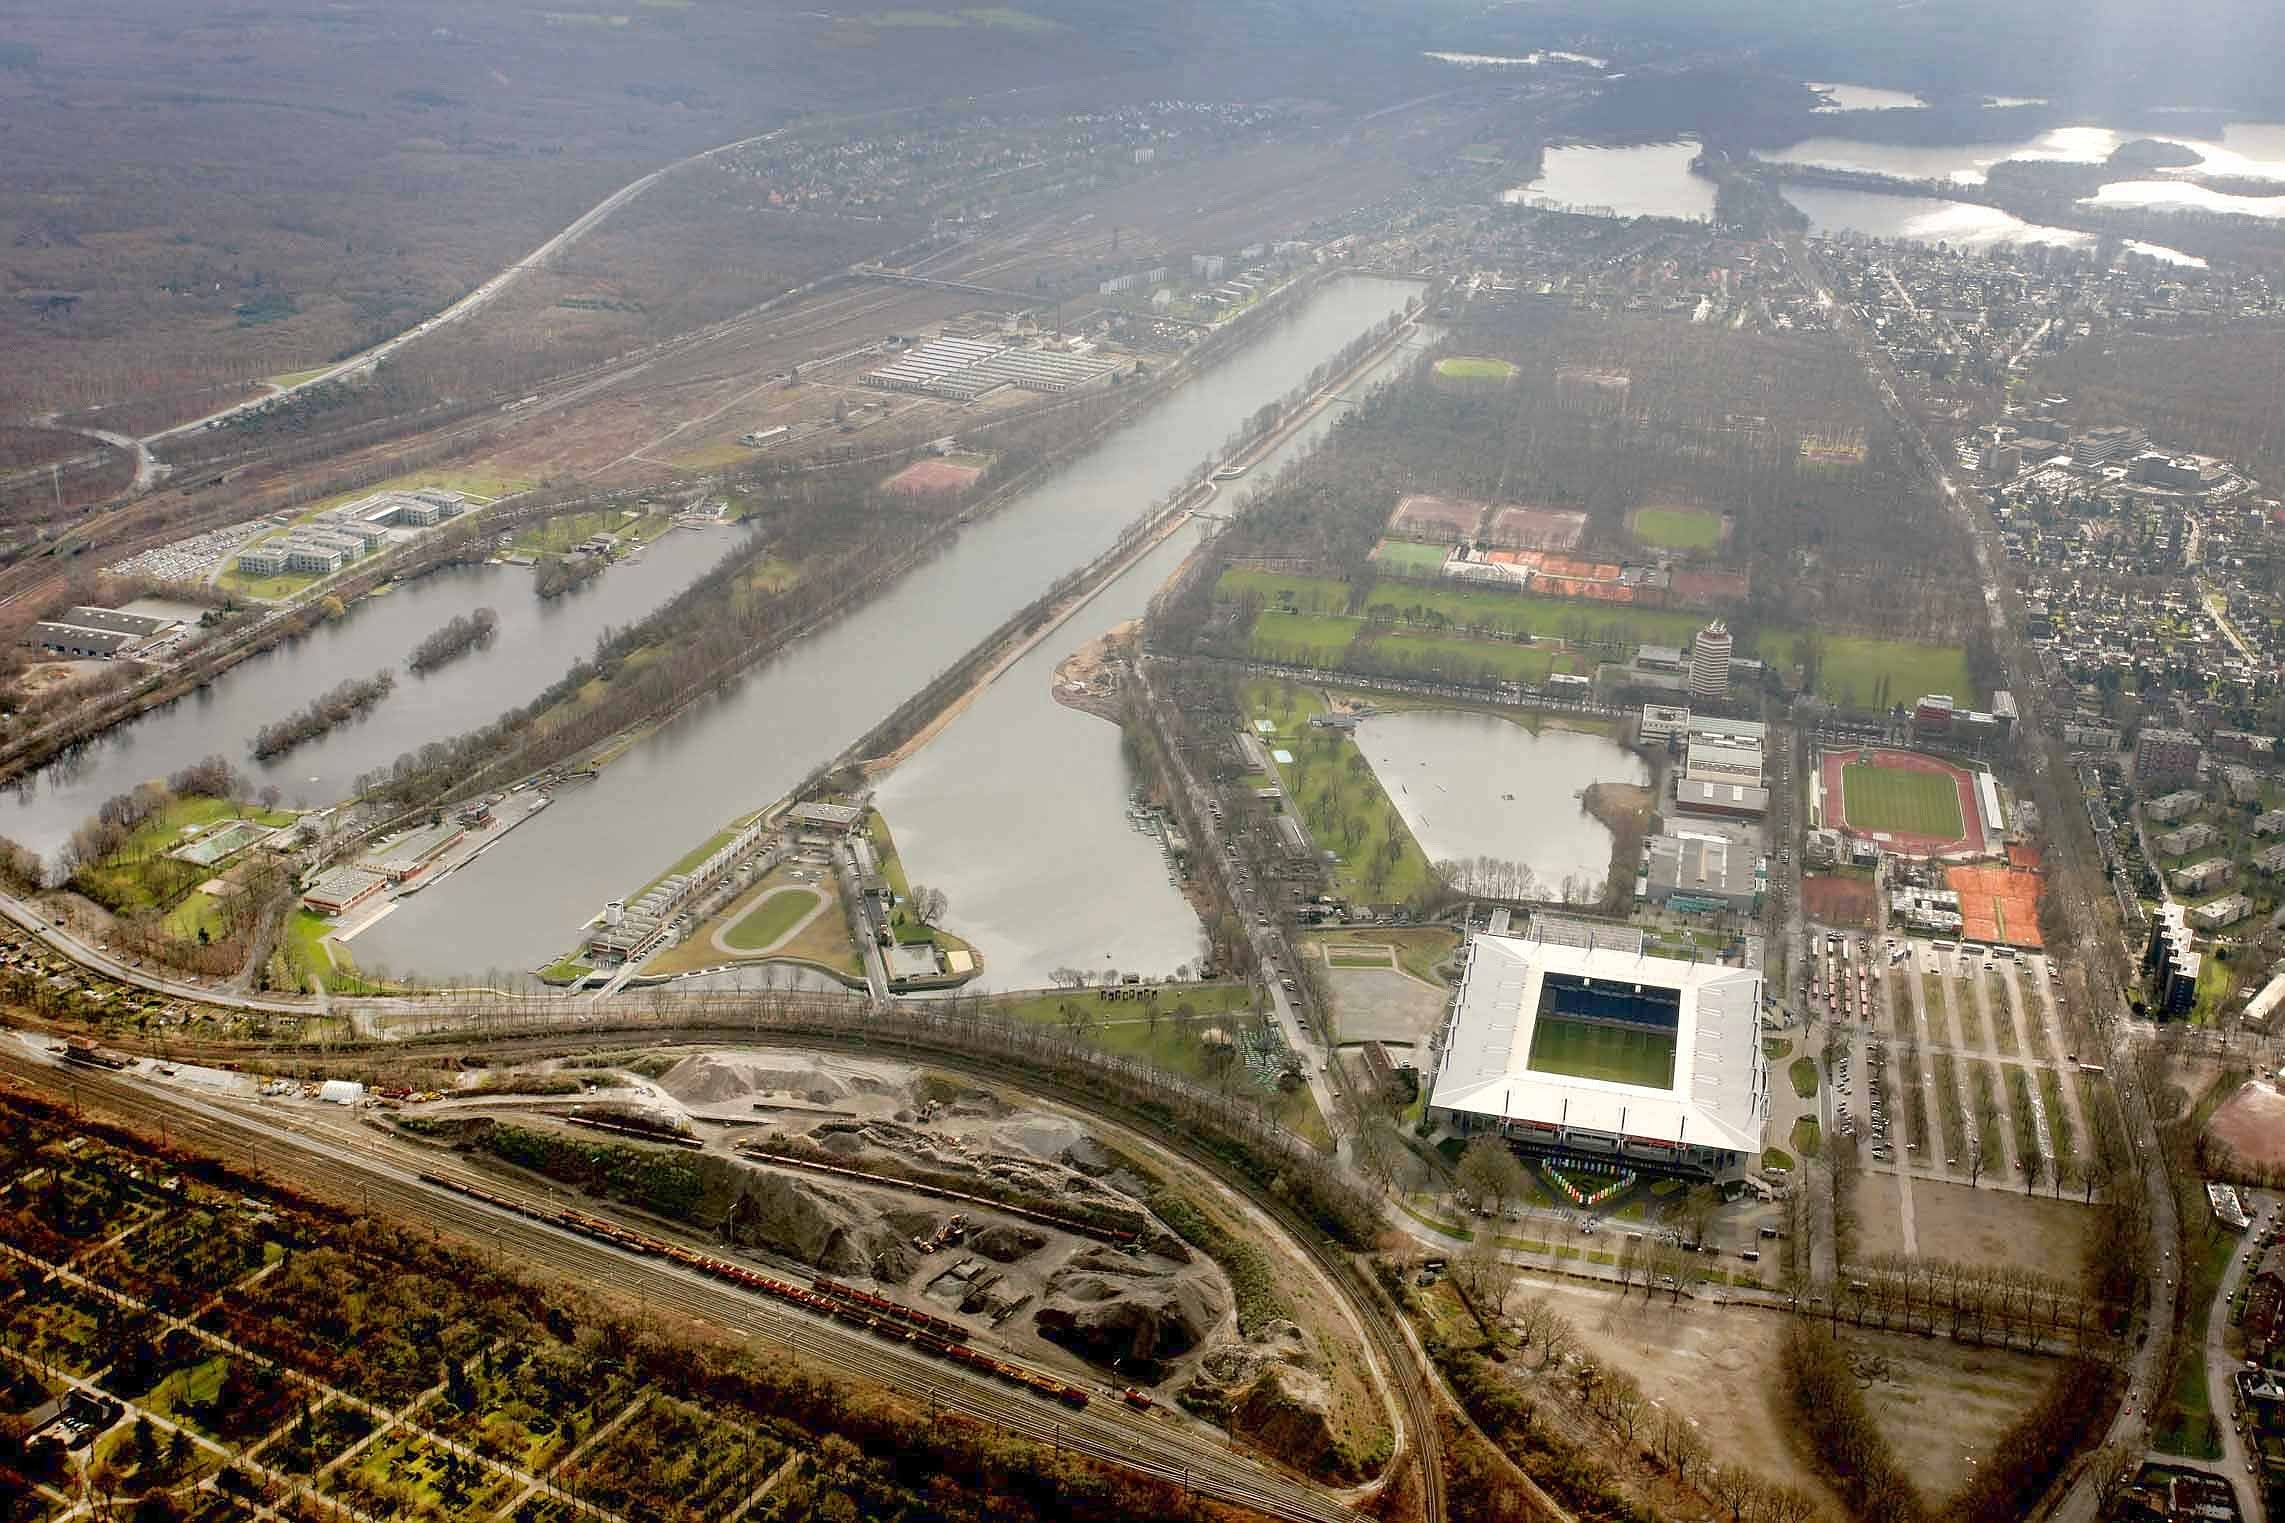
(1602, 1053)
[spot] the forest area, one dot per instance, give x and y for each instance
(1606, 416)
(2215, 393)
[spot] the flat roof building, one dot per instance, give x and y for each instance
(1661, 721)
(1591, 1054)
(1728, 800)
(341, 889)
(1689, 871)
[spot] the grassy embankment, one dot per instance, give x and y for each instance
(1165, 1025)
(1380, 863)
(559, 534)
(908, 930)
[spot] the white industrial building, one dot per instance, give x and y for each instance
(963, 368)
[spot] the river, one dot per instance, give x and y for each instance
(1473, 785)
(1077, 886)
(531, 648)
(522, 905)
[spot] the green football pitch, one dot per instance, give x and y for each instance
(1634, 1055)
(1893, 799)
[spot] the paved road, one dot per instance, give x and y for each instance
(475, 301)
(2220, 1368)
(2099, 966)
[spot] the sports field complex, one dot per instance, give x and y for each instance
(1598, 1053)
(1909, 803)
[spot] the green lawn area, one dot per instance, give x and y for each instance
(1678, 528)
(561, 533)
(2216, 982)
(1497, 611)
(1636, 1055)
(1851, 671)
(1303, 594)
(1777, 1158)
(305, 957)
(1305, 638)
(1803, 1073)
(1410, 556)
(1897, 799)
(1854, 666)
(1460, 658)
(139, 875)
(1474, 367)
(267, 589)
(1329, 793)
(772, 918)
(1806, 1140)
(296, 377)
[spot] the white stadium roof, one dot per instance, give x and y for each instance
(1719, 1096)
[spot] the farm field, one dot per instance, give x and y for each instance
(1599, 1050)
(1896, 800)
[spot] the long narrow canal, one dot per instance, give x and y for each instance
(535, 641)
(1076, 886)
(521, 906)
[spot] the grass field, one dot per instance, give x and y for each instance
(1474, 367)
(1409, 556)
(1596, 1050)
(1678, 528)
(1311, 639)
(1303, 594)
(1852, 668)
(1462, 659)
(772, 918)
(1890, 798)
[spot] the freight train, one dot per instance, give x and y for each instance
(879, 1315)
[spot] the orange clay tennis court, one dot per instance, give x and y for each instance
(1997, 905)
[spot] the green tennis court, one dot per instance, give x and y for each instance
(1619, 1054)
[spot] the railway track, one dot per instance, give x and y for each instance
(1396, 1361)
(332, 1159)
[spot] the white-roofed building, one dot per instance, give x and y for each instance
(1606, 1055)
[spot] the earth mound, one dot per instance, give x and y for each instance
(1109, 1306)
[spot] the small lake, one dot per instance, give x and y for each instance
(1646, 180)
(2251, 149)
(1471, 785)
(1925, 219)
(1865, 98)
(1933, 219)
(1518, 60)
